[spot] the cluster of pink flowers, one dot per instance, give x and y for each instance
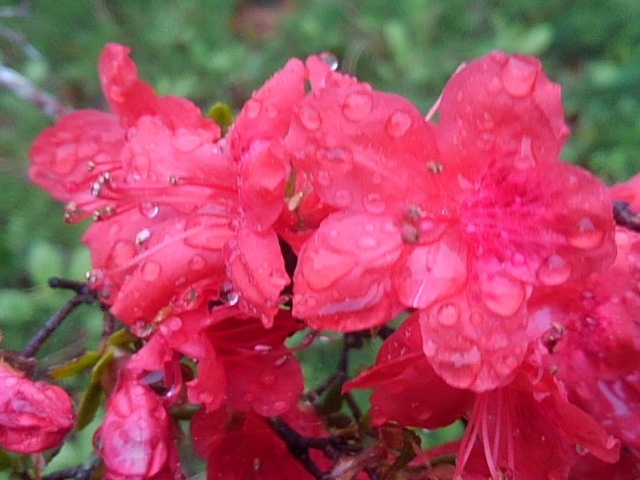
(331, 205)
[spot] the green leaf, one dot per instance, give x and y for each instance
(89, 406)
(76, 366)
(44, 261)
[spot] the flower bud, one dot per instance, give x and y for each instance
(34, 416)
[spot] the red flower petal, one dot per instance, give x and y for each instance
(498, 108)
(256, 269)
(470, 346)
(403, 372)
(129, 97)
(342, 279)
(136, 439)
(366, 151)
(68, 157)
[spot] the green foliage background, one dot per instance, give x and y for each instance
(212, 50)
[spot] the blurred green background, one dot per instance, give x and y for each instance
(221, 50)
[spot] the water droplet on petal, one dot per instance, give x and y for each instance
(151, 271)
(228, 293)
(525, 159)
(122, 253)
(518, 76)
(357, 105)
(309, 117)
(448, 314)
(149, 209)
(342, 198)
(323, 178)
(185, 141)
(252, 108)
(197, 262)
(367, 242)
(373, 203)
(64, 159)
(588, 236)
(142, 236)
(268, 379)
(280, 406)
(331, 60)
(502, 295)
(554, 271)
(398, 124)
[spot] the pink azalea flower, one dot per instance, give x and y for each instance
(461, 220)
(34, 416)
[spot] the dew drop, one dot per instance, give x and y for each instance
(149, 209)
(518, 76)
(64, 159)
(357, 105)
(331, 60)
(268, 379)
(252, 108)
(310, 117)
(525, 159)
(342, 198)
(398, 124)
(323, 178)
(280, 406)
(122, 253)
(374, 204)
(554, 271)
(228, 293)
(448, 314)
(367, 242)
(262, 348)
(143, 236)
(151, 271)
(185, 141)
(197, 263)
(502, 294)
(588, 236)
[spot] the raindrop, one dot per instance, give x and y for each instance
(197, 262)
(554, 271)
(262, 348)
(525, 159)
(342, 198)
(331, 60)
(357, 105)
(122, 253)
(142, 236)
(518, 76)
(323, 178)
(448, 314)
(588, 236)
(228, 293)
(151, 271)
(268, 379)
(502, 295)
(252, 108)
(185, 141)
(149, 209)
(373, 203)
(280, 406)
(310, 117)
(368, 242)
(398, 124)
(174, 323)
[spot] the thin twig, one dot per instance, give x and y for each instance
(625, 217)
(298, 446)
(24, 88)
(55, 320)
(81, 472)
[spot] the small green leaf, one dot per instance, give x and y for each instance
(122, 337)
(89, 406)
(76, 366)
(101, 365)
